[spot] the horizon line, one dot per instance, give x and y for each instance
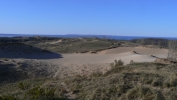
(86, 35)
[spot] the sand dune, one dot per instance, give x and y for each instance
(85, 64)
(125, 53)
(100, 58)
(74, 64)
(141, 50)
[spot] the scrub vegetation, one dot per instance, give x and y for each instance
(136, 81)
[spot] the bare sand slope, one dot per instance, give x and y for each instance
(85, 64)
(124, 53)
(82, 64)
(141, 50)
(100, 58)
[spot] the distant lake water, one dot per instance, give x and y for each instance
(88, 36)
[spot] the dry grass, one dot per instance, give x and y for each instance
(136, 81)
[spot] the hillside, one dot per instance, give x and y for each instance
(39, 68)
(136, 81)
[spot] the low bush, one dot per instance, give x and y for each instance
(8, 97)
(117, 63)
(23, 86)
(40, 93)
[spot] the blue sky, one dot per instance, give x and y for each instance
(106, 17)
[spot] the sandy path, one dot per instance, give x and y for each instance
(55, 42)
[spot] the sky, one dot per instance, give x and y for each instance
(95, 17)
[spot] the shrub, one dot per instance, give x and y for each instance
(108, 93)
(157, 82)
(5, 59)
(141, 93)
(96, 74)
(8, 97)
(117, 63)
(23, 86)
(40, 93)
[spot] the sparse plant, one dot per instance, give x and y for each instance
(131, 62)
(5, 59)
